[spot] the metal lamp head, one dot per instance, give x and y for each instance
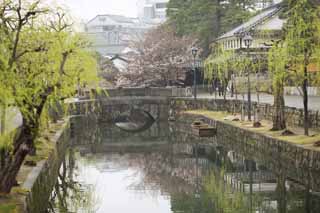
(194, 51)
(247, 40)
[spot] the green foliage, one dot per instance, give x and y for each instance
(223, 195)
(216, 195)
(219, 63)
(47, 66)
(42, 63)
(291, 58)
(301, 41)
(277, 66)
(222, 63)
(8, 208)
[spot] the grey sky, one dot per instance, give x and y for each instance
(87, 9)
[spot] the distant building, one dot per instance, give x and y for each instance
(152, 11)
(112, 34)
(264, 27)
(262, 4)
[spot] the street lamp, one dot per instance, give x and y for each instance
(194, 52)
(248, 42)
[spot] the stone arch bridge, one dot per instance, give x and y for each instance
(112, 102)
(108, 108)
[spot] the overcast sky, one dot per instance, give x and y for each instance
(87, 9)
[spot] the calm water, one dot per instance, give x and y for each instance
(167, 170)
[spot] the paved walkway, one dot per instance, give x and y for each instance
(290, 101)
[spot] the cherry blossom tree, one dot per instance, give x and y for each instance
(160, 59)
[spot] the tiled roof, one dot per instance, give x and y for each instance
(121, 19)
(254, 22)
(116, 18)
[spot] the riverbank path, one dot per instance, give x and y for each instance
(290, 101)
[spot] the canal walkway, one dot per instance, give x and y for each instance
(290, 101)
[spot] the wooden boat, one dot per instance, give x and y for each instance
(202, 129)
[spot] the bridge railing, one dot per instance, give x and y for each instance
(142, 91)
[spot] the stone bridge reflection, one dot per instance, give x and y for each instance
(134, 120)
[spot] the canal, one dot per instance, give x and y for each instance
(165, 169)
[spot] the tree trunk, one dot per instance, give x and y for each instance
(10, 171)
(22, 146)
(305, 101)
(281, 192)
(224, 89)
(279, 120)
(3, 112)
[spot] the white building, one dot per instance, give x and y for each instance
(261, 4)
(264, 27)
(111, 34)
(152, 11)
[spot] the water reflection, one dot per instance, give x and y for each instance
(134, 120)
(70, 193)
(165, 169)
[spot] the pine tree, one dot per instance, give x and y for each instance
(207, 19)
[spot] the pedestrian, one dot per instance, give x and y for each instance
(220, 87)
(232, 84)
(212, 87)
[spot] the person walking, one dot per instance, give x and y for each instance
(232, 84)
(220, 87)
(212, 87)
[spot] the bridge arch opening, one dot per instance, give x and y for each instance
(134, 120)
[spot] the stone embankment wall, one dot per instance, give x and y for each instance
(295, 162)
(294, 116)
(42, 178)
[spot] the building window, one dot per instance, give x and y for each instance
(161, 5)
(113, 38)
(103, 19)
(108, 28)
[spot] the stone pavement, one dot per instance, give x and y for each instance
(290, 101)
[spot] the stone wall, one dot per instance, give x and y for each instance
(295, 162)
(42, 178)
(294, 116)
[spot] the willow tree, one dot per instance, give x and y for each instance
(277, 67)
(302, 42)
(223, 63)
(219, 64)
(43, 62)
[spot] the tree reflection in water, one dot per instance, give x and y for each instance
(69, 195)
